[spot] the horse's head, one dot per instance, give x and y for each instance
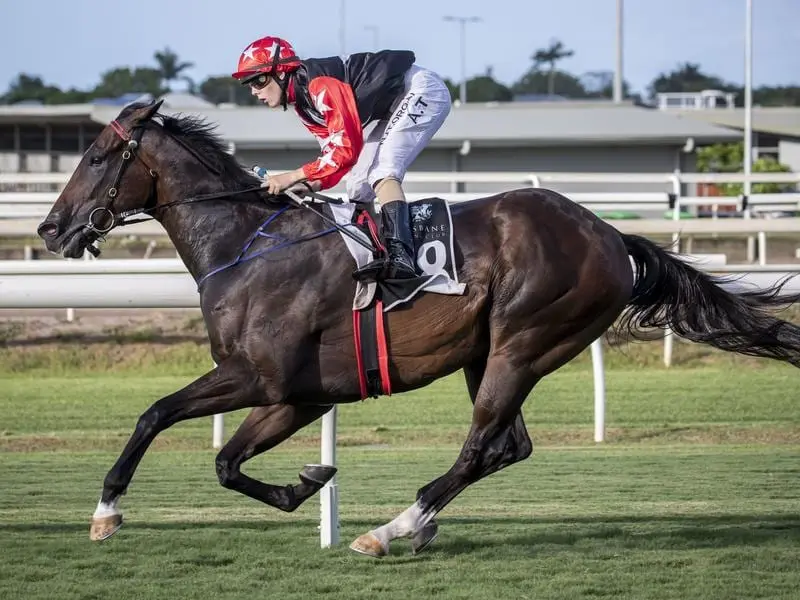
(113, 180)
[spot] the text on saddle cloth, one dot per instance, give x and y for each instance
(432, 227)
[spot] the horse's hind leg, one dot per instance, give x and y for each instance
(496, 439)
(518, 449)
(264, 428)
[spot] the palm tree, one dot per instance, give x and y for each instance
(171, 68)
(550, 56)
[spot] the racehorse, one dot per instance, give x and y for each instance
(544, 278)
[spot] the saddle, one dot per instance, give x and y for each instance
(432, 228)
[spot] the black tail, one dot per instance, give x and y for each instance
(671, 293)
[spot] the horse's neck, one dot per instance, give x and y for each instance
(210, 234)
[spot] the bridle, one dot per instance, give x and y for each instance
(103, 219)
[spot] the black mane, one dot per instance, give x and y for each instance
(201, 136)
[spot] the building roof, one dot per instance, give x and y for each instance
(37, 113)
(781, 121)
(507, 123)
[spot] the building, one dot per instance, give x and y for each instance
(522, 137)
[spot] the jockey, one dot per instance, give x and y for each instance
(336, 98)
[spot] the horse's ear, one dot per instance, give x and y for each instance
(139, 114)
(144, 114)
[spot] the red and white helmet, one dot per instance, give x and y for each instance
(269, 56)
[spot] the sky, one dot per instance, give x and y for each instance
(69, 43)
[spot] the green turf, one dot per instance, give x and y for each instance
(701, 522)
(695, 495)
(668, 405)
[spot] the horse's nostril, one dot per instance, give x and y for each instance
(47, 230)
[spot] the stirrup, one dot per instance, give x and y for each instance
(372, 271)
(399, 269)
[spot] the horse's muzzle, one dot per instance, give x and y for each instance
(50, 231)
(60, 240)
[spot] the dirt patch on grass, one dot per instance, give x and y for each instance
(104, 340)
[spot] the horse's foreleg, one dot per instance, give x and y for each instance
(234, 384)
(264, 428)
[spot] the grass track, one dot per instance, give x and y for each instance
(696, 495)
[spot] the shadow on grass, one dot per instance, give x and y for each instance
(642, 533)
(678, 532)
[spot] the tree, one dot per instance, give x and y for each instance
(226, 89)
(452, 87)
(30, 88)
(484, 88)
(171, 68)
(729, 158)
(777, 96)
(600, 84)
(552, 55)
(688, 78)
(122, 80)
(538, 82)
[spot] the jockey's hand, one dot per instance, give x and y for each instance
(303, 188)
(275, 184)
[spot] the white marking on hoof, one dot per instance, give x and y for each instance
(106, 509)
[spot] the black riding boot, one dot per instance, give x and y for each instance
(396, 234)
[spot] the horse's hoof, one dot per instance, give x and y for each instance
(104, 527)
(370, 545)
(317, 475)
(424, 537)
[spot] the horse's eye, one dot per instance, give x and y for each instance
(96, 161)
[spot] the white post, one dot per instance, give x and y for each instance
(329, 495)
(218, 431)
(748, 116)
(149, 250)
(462, 21)
(668, 340)
(599, 391)
(618, 78)
(676, 215)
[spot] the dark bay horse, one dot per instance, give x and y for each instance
(544, 277)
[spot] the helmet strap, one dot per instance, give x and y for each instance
(283, 84)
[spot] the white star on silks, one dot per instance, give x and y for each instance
(335, 139)
(249, 52)
(326, 159)
(271, 50)
(319, 102)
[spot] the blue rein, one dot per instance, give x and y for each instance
(261, 233)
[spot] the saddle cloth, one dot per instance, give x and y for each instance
(432, 227)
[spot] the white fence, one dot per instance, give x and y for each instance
(28, 201)
(162, 283)
(23, 208)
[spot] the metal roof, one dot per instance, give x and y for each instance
(507, 123)
(783, 120)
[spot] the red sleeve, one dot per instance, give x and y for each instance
(344, 139)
